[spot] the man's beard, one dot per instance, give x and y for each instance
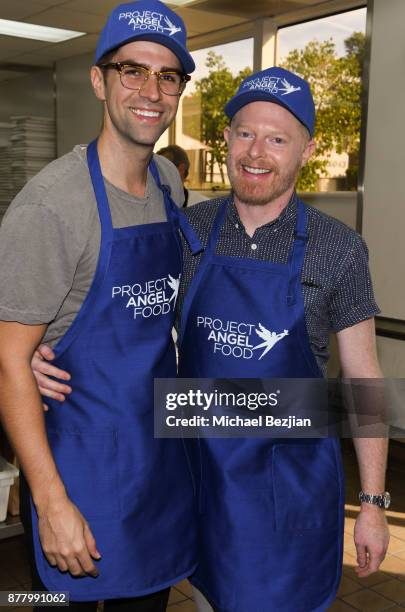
(259, 195)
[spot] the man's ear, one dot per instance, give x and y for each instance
(98, 82)
(308, 152)
(227, 132)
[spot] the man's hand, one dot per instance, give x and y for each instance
(66, 538)
(43, 370)
(64, 533)
(371, 537)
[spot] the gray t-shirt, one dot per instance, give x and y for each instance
(50, 239)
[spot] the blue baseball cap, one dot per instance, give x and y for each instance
(281, 87)
(145, 20)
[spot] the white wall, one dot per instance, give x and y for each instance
(384, 196)
(339, 204)
(391, 354)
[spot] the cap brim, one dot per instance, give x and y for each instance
(236, 103)
(180, 52)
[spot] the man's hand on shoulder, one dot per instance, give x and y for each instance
(371, 537)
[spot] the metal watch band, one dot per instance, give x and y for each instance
(382, 501)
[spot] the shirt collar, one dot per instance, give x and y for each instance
(286, 215)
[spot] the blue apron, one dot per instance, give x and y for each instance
(135, 491)
(272, 510)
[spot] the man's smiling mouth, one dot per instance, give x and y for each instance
(255, 171)
(145, 113)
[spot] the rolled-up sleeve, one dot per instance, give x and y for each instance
(352, 300)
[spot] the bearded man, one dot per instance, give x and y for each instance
(271, 527)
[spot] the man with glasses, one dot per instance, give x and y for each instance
(90, 262)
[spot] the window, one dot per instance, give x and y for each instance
(201, 119)
(329, 52)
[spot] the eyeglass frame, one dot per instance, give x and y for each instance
(119, 66)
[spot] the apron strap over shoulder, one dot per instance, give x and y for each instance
(297, 252)
(216, 227)
(99, 190)
(175, 215)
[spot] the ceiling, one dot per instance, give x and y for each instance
(19, 56)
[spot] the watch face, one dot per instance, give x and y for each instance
(387, 500)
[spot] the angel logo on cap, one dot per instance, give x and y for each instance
(281, 87)
(273, 85)
(150, 21)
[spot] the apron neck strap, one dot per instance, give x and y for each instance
(297, 252)
(301, 228)
(300, 234)
(216, 227)
(170, 206)
(175, 215)
(99, 189)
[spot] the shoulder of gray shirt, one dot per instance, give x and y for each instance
(67, 179)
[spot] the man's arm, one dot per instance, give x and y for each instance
(358, 357)
(65, 536)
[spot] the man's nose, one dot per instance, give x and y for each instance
(150, 89)
(257, 148)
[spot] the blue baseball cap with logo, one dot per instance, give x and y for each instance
(145, 20)
(281, 87)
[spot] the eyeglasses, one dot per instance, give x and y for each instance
(134, 77)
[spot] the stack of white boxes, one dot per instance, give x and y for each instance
(32, 147)
(8, 473)
(6, 188)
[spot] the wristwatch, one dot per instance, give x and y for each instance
(382, 501)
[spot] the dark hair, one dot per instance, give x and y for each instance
(106, 58)
(177, 155)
